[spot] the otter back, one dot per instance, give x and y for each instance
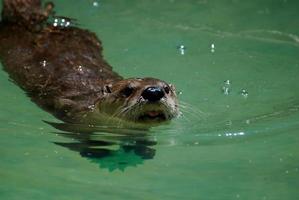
(61, 69)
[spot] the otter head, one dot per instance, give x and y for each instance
(141, 100)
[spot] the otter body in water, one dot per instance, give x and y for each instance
(63, 71)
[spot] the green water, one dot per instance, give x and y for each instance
(234, 146)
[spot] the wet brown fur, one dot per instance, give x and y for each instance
(61, 69)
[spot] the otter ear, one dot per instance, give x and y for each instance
(107, 88)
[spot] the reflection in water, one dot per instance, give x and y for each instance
(112, 148)
(116, 148)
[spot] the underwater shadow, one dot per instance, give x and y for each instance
(111, 148)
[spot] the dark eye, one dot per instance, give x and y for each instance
(166, 89)
(127, 91)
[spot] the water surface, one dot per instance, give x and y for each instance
(233, 141)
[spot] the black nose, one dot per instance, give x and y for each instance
(153, 94)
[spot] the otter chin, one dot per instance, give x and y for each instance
(140, 100)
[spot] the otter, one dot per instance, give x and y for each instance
(62, 70)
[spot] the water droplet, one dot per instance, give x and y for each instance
(172, 142)
(212, 48)
(89, 154)
(244, 93)
(182, 49)
(240, 133)
(229, 123)
(61, 22)
(27, 68)
(228, 134)
(180, 114)
(80, 69)
(95, 4)
(226, 88)
(91, 107)
(227, 82)
(43, 63)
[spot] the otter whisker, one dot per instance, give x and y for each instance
(185, 117)
(192, 108)
(125, 110)
(188, 110)
(139, 109)
(120, 112)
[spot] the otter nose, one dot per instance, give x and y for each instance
(153, 94)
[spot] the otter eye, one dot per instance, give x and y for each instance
(127, 91)
(166, 89)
